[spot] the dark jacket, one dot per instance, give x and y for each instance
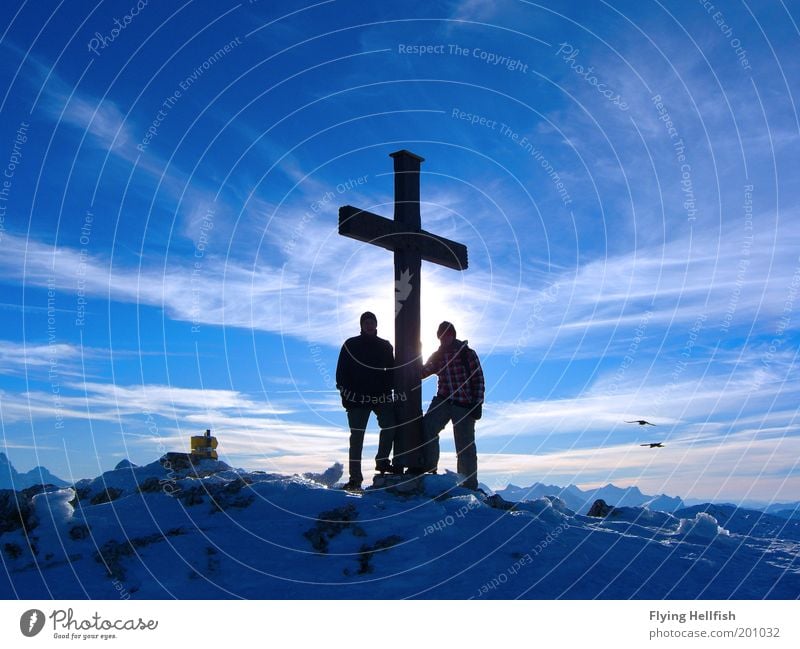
(365, 371)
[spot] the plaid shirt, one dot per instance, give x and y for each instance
(462, 382)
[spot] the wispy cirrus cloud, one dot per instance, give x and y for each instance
(17, 359)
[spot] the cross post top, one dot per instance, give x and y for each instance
(405, 153)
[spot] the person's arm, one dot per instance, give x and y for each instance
(432, 366)
(476, 381)
(388, 365)
(343, 372)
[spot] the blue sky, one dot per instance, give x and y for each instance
(623, 175)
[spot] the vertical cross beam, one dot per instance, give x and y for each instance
(408, 350)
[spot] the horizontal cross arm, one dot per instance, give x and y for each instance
(366, 226)
(439, 250)
(380, 231)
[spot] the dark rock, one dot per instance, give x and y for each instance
(599, 509)
(329, 477)
(230, 495)
(176, 461)
(125, 464)
(16, 511)
(79, 532)
(497, 502)
(150, 485)
(330, 524)
(112, 553)
(191, 466)
(12, 550)
(367, 551)
(191, 497)
(106, 496)
(82, 490)
(400, 485)
(35, 490)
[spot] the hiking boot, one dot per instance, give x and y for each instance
(383, 466)
(353, 486)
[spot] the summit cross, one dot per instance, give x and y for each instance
(410, 244)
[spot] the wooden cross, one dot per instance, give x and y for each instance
(410, 244)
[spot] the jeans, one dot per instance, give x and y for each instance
(357, 417)
(440, 412)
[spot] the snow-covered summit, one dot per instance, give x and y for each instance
(206, 530)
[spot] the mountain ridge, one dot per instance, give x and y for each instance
(10, 478)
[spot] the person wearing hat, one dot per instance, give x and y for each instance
(459, 398)
(364, 377)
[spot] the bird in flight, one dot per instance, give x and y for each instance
(641, 422)
(653, 445)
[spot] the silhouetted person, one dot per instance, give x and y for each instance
(364, 377)
(459, 399)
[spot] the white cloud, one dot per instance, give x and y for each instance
(21, 359)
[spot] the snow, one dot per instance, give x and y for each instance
(703, 527)
(219, 532)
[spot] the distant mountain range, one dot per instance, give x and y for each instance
(580, 501)
(10, 478)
